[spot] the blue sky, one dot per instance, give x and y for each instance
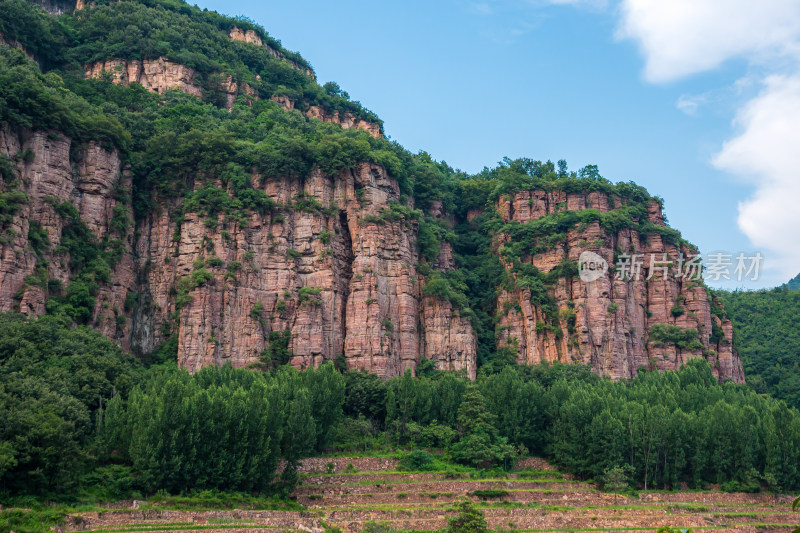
(650, 91)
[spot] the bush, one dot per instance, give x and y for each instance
(469, 519)
(489, 493)
(417, 461)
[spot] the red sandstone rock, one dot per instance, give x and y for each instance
(613, 317)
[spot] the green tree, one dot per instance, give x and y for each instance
(480, 443)
(469, 519)
(615, 479)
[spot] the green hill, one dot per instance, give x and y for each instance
(767, 337)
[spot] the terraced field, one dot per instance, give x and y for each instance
(536, 498)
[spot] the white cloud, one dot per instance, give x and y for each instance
(690, 103)
(766, 152)
(679, 38)
(682, 37)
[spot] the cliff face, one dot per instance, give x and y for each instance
(161, 75)
(52, 170)
(157, 76)
(327, 277)
(615, 325)
(322, 278)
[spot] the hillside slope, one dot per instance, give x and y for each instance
(767, 338)
(180, 181)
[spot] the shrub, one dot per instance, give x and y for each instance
(489, 493)
(469, 519)
(417, 460)
(309, 296)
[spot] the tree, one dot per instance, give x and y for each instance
(615, 479)
(469, 519)
(480, 443)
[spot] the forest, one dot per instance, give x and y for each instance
(766, 337)
(82, 420)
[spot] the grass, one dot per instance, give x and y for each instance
(212, 500)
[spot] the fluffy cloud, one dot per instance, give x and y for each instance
(683, 37)
(767, 153)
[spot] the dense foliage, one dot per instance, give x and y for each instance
(54, 380)
(78, 416)
(223, 428)
(766, 337)
(669, 429)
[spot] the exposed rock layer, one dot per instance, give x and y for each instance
(362, 299)
(336, 279)
(90, 179)
(161, 75)
(613, 318)
(362, 294)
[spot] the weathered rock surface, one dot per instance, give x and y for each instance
(364, 300)
(91, 180)
(159, 75)
(364, 297)
(336, 278)
(346, 120)
(607, 323)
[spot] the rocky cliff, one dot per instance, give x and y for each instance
(258, 235)
(53, 172)
(326, 276)
(622, 321)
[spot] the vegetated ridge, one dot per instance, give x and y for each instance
(178, 180)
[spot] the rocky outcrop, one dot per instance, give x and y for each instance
(248, 36)
(251, 37)
(51, 170)
(158, 75)
(161, 75)
(449, 339)
(332, 280)
(615, 325)
(346, 120)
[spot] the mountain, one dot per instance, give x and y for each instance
(181, 182)
(794, 283)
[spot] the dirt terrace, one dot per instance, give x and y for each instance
(540, 500)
